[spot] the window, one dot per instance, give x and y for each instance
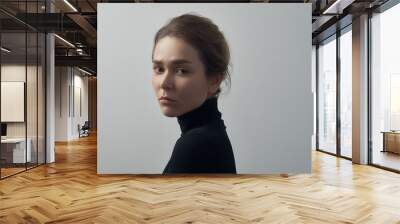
(385, 88)
(346, 75)
(327, 95)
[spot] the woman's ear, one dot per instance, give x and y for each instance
(213, 83)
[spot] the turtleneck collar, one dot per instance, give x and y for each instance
(202, 115)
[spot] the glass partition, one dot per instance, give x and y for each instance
(14, 153)
(32, 95)
(22, 77)
(327, 95)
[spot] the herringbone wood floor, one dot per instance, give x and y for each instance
(70, 191)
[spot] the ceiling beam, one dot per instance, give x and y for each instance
(85, 61)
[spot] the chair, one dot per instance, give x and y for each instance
(84, 130)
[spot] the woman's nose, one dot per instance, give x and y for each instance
(167, 81)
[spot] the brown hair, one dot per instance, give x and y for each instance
(206, 38)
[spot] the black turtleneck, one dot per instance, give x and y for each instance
(204, 146)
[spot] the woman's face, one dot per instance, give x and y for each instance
(179, 76)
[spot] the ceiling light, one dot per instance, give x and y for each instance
(70, 5)
(64, 40)
(331, 7)
(5, 49)
(86, 72)
(338, 6)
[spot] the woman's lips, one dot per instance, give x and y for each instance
(166, 100)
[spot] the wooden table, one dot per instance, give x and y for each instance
(391, 141)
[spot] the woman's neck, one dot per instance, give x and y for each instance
(205, 113)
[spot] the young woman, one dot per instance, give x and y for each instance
(190, 60)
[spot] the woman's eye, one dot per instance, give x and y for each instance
(158, 70)
(181, 71)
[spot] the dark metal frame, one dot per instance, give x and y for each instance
(73, 91)
(369, 83)
(338, 76)
(37, 91)
(317, 97)
(26, 87)
(45, 90)
(0, 92)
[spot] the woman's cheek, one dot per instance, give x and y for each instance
(180, 83)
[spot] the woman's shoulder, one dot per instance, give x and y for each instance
(204, 133)
(204, 138)
(203, 150)
(198, 136)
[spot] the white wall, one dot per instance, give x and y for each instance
(268, 111)
(67, 80)
(61, 103)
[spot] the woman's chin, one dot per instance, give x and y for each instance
(169, 112)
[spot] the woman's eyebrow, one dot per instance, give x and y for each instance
(157, 62)
(181, 61)
(175, 62)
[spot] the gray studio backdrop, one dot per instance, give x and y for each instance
(268, 111)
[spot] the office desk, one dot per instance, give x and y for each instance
(391, 141)
(13, 150)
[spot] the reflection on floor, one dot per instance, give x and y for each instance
(386, 159)
(346, 152)
(10, 171)
(13, 169)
